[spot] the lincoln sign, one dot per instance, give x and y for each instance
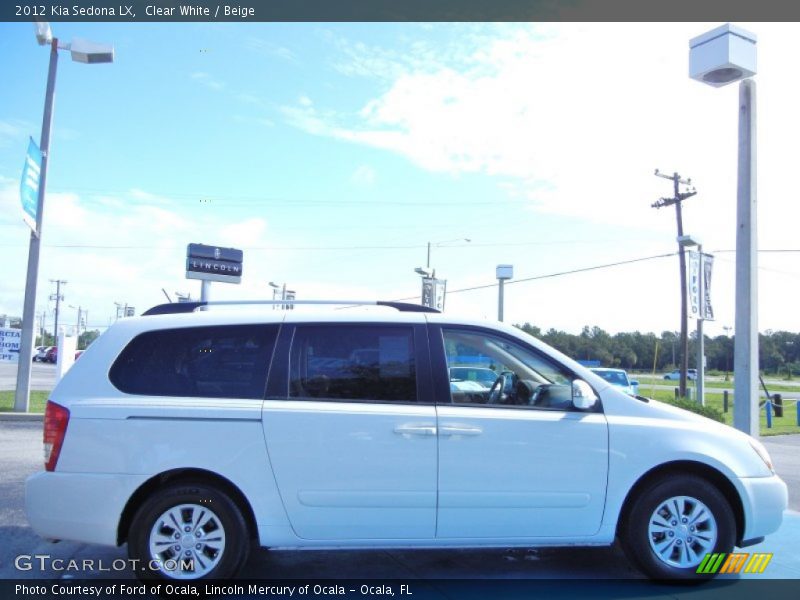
(211, 263)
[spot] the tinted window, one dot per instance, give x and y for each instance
(206, 362)
(353, 362)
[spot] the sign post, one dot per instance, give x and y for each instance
(212, 263)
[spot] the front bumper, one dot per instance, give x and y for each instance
(764, 500)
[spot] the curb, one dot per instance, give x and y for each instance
(21, 417)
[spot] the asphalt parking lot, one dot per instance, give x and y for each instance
(43, 376)
(21, 455)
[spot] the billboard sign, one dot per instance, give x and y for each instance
(9, 344)
(29, 185)
(212, 263)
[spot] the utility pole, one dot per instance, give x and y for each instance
(58, 297)
(677, 199)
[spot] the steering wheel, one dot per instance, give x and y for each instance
(496, 391)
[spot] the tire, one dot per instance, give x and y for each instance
(214, 542)
(674, 523)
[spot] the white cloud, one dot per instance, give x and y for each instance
(363, 176)
(116, 249)
(12, 131)
(207, 80)
(271, 49)
(575, 118)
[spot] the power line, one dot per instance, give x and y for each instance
(326, 248)
(244, 200)
(551, 275)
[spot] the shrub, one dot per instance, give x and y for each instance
(690, 405)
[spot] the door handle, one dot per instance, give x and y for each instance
(415, 430)
(459, 430)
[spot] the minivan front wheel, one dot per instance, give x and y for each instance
(675, 523)
(188, 532)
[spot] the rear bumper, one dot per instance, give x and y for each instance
(78, 506)
(764, 500)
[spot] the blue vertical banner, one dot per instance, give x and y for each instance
(29, 185)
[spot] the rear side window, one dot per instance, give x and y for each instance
(353, 362)
(202, 362)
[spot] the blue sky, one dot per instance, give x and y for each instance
(333, 153)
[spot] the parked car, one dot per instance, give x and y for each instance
(189, 436)
(52, 354)
(675, 375)
(39, 353)
(483, 376)
(619, 378)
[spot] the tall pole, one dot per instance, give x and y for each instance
(22, 395)
(677, 200)
(684, 308)
(500, 301)
(58, 299)
(428, 262)
(745, 347)
(701, 372)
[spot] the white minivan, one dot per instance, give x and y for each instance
(192, 434)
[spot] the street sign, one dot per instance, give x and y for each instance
(700, 305)
(693, 288)
(212, 263)
(708, 267)
(29, 185)
(9, 344)
(433, 292)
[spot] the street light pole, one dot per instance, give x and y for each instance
(22, 394)
(717, 58)
(699, 306)
(745, 347)
(701, 363)
(503, 273)
(81, 51)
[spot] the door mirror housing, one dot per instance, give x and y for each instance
(583, 396)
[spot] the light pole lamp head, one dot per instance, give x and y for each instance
(43, 33)
(722, 56)
(91, 52)
(424, 272)
(504, 271)
(687, 241)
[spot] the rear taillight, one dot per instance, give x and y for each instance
(56, 418)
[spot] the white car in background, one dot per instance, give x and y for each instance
(618, 378)
(691, 375)
(41, 353)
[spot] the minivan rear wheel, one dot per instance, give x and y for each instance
(674, 524)
(188, 532)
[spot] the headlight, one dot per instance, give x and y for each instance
(762, 453)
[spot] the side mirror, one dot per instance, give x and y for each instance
(583, 396)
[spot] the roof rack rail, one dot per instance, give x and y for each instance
(188, 307)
